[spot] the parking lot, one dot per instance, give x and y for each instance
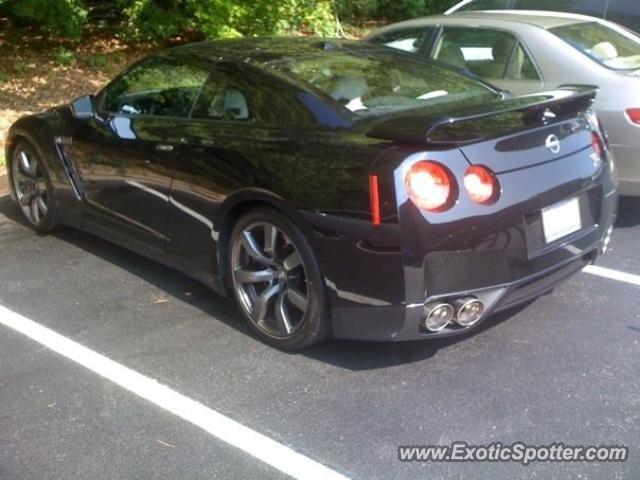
(563, 369)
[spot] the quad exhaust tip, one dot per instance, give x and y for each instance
(468, 311)
(438, 315)
(465, 312)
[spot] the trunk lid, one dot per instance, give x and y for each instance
(457, 125)
(530, 148)
(504, 135)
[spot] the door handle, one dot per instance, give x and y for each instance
(164, 147)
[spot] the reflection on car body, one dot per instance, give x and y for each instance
(334, 188)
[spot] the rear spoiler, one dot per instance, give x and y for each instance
(521, 113)
(498, 118)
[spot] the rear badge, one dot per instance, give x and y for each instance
(553, 144)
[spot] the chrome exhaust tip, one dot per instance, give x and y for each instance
(468, 310)
(437, 316)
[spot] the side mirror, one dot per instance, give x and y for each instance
(84, 108)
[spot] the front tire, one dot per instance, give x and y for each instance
(33, 190)
(276, 281)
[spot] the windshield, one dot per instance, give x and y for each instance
(378, 82)
(613, 47)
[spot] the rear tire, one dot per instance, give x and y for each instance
(33, 190)
(276, 281)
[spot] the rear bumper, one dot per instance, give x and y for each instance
(403, 322)
(628, 164)
(379, 279)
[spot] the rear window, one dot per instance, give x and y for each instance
(613, 47)
(379, 82)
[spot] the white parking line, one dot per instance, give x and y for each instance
(613, 274)
(249, 441)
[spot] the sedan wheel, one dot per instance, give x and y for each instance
(276, 281)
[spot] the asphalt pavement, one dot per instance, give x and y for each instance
(563, 369)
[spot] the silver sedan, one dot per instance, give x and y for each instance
(526, 52)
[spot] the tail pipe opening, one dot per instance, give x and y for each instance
(465, 312)
(468, 310)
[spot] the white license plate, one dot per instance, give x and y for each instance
(561, 220)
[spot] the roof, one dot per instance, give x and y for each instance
(262, 50)
(538, 18)
(501, 18)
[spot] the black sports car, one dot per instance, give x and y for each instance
(334, 187)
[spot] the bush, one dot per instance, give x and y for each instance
(62, 17)
(155, 20)
(392, 10)
(160, 19)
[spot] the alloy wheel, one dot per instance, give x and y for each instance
(269, 279)
(30, 187)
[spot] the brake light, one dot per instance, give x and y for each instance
(430, 186)
(374, 192)
(482, 185)
(633, 114)
(597, 144)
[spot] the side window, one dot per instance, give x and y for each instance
(487, 53)
(625, 12)
(485, 5)
(594, 8)
(223, 97)
(521, 66)
(155, 88)
(412, 40)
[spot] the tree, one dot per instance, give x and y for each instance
(63, 17)
(159, 19)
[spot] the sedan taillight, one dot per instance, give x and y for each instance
(633, 114)
(430, 186)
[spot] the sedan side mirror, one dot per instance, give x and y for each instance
(84, 108)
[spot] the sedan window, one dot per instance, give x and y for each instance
(410, 40)
(487, 53)
(611, 46)
(155, 88)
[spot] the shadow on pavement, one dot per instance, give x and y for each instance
(628, 212)
(350, 355)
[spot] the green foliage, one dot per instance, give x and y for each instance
(98, 61)
(20, 68)
(64, 57)
(225, 18)
(63, 17)
(360, 10)
(161, 19)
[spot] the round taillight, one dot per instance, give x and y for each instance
(430, 186)
(481, 185)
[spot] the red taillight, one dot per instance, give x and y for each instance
(597, 144)
(481, 185)
(430, 186)
(374, 192)
(633, 114)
